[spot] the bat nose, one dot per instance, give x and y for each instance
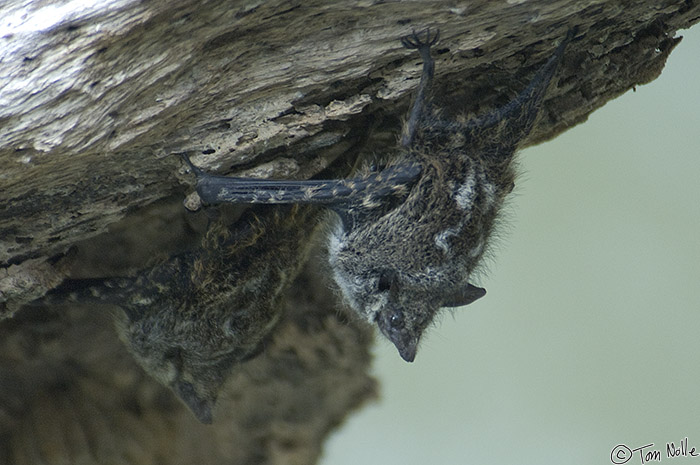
(408, 351)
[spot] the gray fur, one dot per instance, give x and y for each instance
(408, 238)
(190, 320)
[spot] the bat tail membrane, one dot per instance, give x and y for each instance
(522, 110)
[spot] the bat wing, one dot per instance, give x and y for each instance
(214, 189)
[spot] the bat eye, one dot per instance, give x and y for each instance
(173, 355)
(396, 320)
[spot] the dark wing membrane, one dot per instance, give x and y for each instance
(499, 131)
(223, 189)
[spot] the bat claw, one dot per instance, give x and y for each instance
(414, 41)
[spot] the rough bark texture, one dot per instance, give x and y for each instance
(92, 104)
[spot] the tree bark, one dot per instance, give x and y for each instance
(95, 101)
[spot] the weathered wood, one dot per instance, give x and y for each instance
(94, 101)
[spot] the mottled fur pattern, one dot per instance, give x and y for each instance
(408, 238)
(190, 320)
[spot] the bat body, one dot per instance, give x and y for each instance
(408, 238)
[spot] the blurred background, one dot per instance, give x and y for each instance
(589, 336)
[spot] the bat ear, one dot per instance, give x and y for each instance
(464, 296)
(200, 406)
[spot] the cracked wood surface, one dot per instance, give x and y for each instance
(93, 102)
